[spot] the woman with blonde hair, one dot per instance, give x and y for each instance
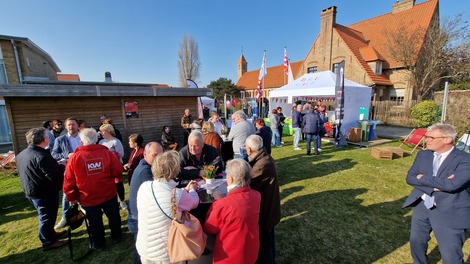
(211, 137)
(154, 203)
(114, 145)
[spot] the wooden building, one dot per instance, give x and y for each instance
(28, 105)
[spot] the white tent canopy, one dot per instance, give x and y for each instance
(322, 85)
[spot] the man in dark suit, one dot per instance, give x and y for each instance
(440, 176)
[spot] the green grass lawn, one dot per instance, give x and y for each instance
(343, 206)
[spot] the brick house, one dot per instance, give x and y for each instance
(363, 47)
(21, 60)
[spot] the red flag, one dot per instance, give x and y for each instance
(286, 62)
(259, 90)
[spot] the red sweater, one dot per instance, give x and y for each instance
(90, 175)
(234, 220)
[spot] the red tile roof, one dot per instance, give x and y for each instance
(376, 30)
(355, 42)
(273, 79)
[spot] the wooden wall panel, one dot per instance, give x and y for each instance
(154, 113)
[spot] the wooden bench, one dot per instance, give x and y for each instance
(382, 153)
(397, 152)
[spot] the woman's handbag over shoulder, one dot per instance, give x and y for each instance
(186, 240)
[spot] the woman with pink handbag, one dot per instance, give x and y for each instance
(154, 204)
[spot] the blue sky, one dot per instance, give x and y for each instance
(138, 41)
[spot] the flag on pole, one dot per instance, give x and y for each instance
(286, 62)
(290, 76)
(262, 73)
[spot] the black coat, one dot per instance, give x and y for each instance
(311, 123)
(40, 174)
(209, 154)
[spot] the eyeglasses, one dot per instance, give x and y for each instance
(432, 138)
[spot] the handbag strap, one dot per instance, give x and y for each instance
(90, 242)
(173, 204)
(153, 193)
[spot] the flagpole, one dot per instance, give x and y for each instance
(284, 70)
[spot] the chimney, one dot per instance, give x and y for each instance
(327, 22)
(403, 5)
(328, 18)
(107, 77)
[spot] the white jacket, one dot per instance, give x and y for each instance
(152, 236)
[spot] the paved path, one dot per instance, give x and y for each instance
(384, 131)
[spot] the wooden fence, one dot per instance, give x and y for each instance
(392, 113)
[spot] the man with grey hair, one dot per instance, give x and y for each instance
(440, 176)
(41, 179)
(266, 183)
(90, 181)
(194, 156)
(142, 173)
(239, 131)
(234, 219)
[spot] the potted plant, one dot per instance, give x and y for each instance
(209, 173)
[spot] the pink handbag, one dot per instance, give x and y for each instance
(186, 240)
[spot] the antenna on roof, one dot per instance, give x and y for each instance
(242, 50)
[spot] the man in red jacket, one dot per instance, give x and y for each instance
(89, 181)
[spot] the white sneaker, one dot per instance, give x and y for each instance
(319, 149)
(282, 142)
(62, 223)
(123, 205)
(297, 148)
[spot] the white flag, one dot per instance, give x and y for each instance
(290, 76)
(263, 71)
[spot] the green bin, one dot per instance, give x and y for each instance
(364, 125)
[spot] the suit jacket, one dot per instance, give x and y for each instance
(62, 148)
(264, 181)
(453, 200)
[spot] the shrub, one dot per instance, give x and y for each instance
(425, 113)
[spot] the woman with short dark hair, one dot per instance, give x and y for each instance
(135, 143)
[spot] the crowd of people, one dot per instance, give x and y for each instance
(87, 165)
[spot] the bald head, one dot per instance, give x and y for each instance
(152, 149)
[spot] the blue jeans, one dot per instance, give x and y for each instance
(95, 219)
(65, 205)
(276, 139)
(297, 134)
(47, 214)
(315, 139)
(240, 156)
(132, 224)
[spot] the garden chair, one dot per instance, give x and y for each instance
(415, 139)
(8, 164)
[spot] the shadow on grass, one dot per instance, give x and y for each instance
(300, 167)
(115, 252)
(15, 207)
(333, 227)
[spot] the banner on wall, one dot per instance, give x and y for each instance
(132, 109)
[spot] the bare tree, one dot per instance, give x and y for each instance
(188, 60)
(440, 53)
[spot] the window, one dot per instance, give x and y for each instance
(5, 135)
(312, 69)
(3, 73)
(335, 67)
(378, 67)
(397, 99)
